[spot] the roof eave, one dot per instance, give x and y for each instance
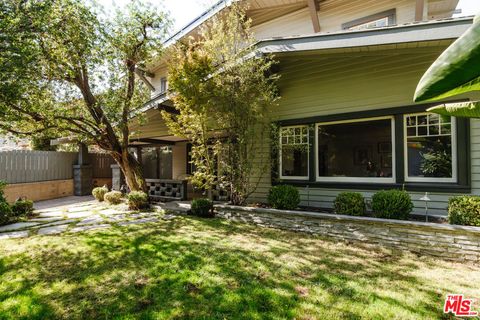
(416, 32)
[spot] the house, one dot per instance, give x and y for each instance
(348, 70)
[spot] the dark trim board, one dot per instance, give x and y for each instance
(362, 114)
(463, 184)
(409, 186)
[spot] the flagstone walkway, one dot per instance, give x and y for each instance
(77, 214)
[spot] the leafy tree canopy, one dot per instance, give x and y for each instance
(225, 92)
(69, 70)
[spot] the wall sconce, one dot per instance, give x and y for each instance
(426, 199)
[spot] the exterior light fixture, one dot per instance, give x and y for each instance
(426, 199)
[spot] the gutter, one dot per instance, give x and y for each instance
(414, 32)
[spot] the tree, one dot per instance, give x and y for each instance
(456, 71)
(66, 71)
(224, 92)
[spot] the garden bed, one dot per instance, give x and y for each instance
(451, 242)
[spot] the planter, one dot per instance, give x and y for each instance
(450, 242)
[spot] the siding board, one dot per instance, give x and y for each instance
(308, 89)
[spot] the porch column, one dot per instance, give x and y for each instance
(117, 177)
(82, 173)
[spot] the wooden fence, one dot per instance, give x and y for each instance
(24, 166)
(101, 163)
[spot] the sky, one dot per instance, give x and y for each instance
(181, 12)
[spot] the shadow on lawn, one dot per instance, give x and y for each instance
(204, 269)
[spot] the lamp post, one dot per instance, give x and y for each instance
(426, 199)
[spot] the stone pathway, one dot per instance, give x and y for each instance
(77, 214)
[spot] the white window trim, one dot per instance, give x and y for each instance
(307, 177)
(357, 179)
(453, 131)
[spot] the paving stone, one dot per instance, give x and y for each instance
(110, 212)
(53, 229)
(15, 234)
(91, 220)
(81, 208)
(18, 226)
(56, 223)
(90, 227)
(169, 217)
(46, 219)
(118, 217)
(51, 214)
(139, 221)
(81, 214)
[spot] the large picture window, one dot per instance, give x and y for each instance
(294, 150)
(356, 151)
(430, 149)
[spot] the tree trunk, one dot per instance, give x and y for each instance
(132, 170)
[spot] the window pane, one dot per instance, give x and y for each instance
(295, 161)
(150, 163)
(165, 159)
(382, 22)
(430, 157)
(294, 151)
(360, 149)
(429, 154)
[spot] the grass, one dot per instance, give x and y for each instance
(191, 268)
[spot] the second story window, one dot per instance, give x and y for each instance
(378, 20)
(163, 85)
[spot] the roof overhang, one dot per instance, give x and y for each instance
(386, 37)
(415, 32)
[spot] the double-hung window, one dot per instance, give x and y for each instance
(294, 150)
(430, 148)
(356, 151)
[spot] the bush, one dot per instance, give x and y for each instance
(464, 210)
(392, 204)
(22, 208)
(99, 193)
(137, 200)
(3, 184)
(202, 208)
(284, 197)
(350, 203)
(113, 197)
(5, 212)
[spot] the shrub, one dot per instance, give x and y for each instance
(5, 212)
(464, 210)
(22, 208)
(113, 197)
(392, 204)
(350, 203)
(3, 184)
(99, 193)
(284, 197)
(137, 200)
(202, 208)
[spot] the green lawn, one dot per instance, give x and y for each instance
(190, 268)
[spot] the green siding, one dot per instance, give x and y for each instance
(329, 84)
